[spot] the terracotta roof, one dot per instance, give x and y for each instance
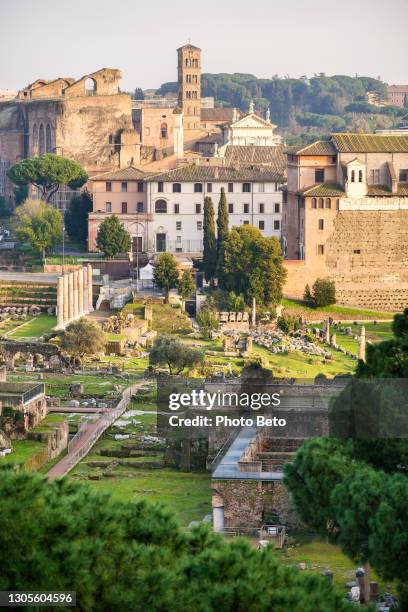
(223, 115)
(123, 174)
(320, 147)
(324, 189)
(397, 88)
(220, 174)
(403, 189)
(370, 143)
(273, 156)
(385, 191)
(188, 46)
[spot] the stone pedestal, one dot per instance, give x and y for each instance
(70, 296)
(66, 299)
(80, 292)
(60, 302)
(90, 294)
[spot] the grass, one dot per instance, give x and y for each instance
(375, 332)
(169, 320)
(23, 450)
(38, 326)
(336, 311)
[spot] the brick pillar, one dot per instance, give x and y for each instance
(90, 294)
(70, 296)
(60, 302)
(81, 291)
(66, 299)
(75, 280)
(86, 297)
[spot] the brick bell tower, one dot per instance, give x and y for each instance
(189, 83)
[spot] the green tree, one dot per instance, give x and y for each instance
(4, 210)
(324, 292)
(307, 295)
(135, 556)
(112, 237)
(40, 225)
(83, 337)
(76, 217)
(138, 94)
(48, 173)
(235, 303)
(20, 194)
(210, 241)
(186, 285)
(207, 321)
(252, 266)
(166, 274)
(172, 352)
(222, 231)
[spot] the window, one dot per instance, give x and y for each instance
(160, 206)
(124, 208)
(314, 203)
(319, 175)
(198, 209)
(353, 176)
(261, 187)
(321, 203)
(357, 251)
(124, 187)
(375, 177)
(160, 187)
(360, 176)
(140, 187)
(176, 209)
(320, 249)
(199, 225)
(262, 208)
(209, 187)
(178, 226)
(163, 130)
(230, 208)
(176, 187)
(277, 207)
(334, 159)
(246, 222)
(403, 176)
(276, 224)
(108, 186)
(140, 207)
(261, 224)
(246, 209)
(328, 203)
(246, 187)
(321, 224)
(108, 206)
(198, 187)
(230, 187)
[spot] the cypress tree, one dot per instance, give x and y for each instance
(222, 232)
(210, 242)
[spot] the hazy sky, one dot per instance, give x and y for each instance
(50, 38)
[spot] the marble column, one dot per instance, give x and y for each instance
(81, 291)
(60, 302)
(362, 344)
(75, 277)
(66, 299)
(70, 296)
(86, 298)
(90, 294)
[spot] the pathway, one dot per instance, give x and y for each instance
(89, 434)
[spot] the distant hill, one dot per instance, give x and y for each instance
(304, 108)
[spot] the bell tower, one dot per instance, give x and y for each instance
(189, 85)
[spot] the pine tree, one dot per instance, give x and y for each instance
(112, 237)
(210, 241)
(222, 232)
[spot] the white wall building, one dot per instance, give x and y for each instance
(164, 212)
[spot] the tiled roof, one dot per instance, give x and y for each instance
(384, 190)
(370, 143)
(223, 115)
(323, 190)
(403, 189)
(273, 156)
(397, 88)
(124, 174)
(220, 174)
(320, 147)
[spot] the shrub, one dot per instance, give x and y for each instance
(324, 292)
(288, 323)
(207, 322)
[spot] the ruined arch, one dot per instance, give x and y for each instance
(90, 86)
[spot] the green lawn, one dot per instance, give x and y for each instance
(169, 320)
(38, 326)
(375, 332)
(23, 450)
(336, 312)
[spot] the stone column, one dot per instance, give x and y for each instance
(326, 331)
(81, 291)
(362, 344)
(253, 314)
(70, 296)
(60, 302)
(218, 513)
(86, 298)
(90, 295)
(75, 277)
(66, 299)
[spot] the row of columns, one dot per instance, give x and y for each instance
(74, 295)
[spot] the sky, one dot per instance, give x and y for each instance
(52, 38)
